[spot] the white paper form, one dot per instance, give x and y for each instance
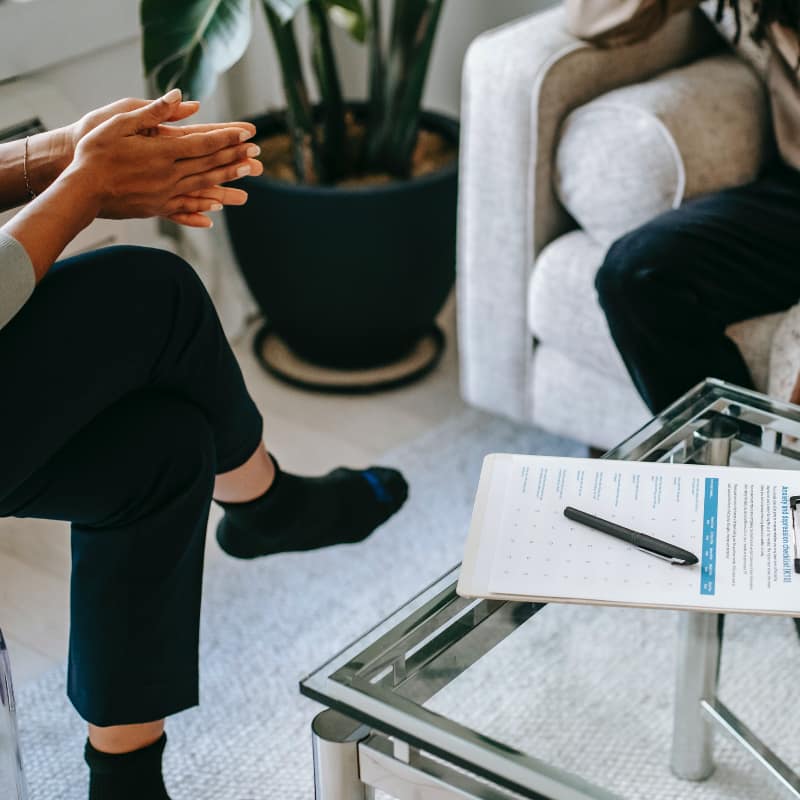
(737, 521)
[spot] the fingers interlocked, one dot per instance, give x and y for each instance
(199, 153)
(144, 167)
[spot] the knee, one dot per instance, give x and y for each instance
(137, 297)
(632, 268)
(144, 267)
(136, 278)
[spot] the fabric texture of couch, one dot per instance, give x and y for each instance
(638, 151)
(552, 125)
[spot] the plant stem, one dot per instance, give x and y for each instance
(405, 130)
(334, 151)
(300, 111)
(391, 141)
(377, 70)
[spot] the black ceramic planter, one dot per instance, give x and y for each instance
(349, 278)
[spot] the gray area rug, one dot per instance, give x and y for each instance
(589, 689)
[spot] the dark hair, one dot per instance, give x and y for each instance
(784, 12)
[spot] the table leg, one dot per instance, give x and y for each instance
(699, 644)
(12, 778)
(335, 739)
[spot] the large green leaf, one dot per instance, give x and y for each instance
(189, 43)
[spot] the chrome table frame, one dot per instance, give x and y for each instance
(377, 735)
(12, 777)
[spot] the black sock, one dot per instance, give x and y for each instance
(299, 513)
(127, 776)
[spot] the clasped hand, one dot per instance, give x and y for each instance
(132, 164)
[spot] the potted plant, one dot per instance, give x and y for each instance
(348, 240)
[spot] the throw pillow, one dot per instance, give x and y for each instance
(638, 151)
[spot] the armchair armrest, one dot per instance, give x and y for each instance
(520, 81)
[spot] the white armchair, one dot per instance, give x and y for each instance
(561, 373)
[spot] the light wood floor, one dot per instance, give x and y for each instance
(309, 433)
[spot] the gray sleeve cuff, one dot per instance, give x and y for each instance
(17, 279)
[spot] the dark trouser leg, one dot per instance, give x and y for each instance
(102, 334)
(136, 484)
(102, 326)
(670, 288)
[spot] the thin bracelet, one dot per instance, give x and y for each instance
(25, 170)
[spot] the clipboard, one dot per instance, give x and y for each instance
(520, 547)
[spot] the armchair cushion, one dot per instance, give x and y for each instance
(784, 360)
(638, 151)
(562, 304)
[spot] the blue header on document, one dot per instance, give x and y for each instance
(787, 550)
(708, 562)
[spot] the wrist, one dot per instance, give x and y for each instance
(78, 185)
(62, 142)
(49, 154)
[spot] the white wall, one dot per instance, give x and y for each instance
(35, 34)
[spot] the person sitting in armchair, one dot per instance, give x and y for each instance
(124, 412)
(717, 259)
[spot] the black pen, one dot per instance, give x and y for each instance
(793, 502)
(647, 544)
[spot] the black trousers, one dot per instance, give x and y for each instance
(670, 288)
(121, 400)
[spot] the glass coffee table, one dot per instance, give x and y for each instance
(456, 698)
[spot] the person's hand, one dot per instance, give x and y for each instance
(62, 143)
(88, 122)
(127, 172)
(219, 195)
